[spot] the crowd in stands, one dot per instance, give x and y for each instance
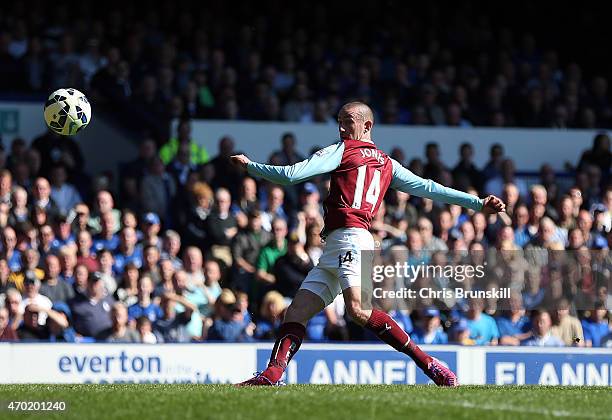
(414, 64)
(188, 248)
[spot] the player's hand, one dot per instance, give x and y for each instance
(240, 160)
(493, 204)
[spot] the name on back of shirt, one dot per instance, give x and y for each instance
(376, 154)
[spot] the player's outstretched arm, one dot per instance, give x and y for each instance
(405, 180)
(322, 162)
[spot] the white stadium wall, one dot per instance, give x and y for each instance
(530, 148)
(314, 363)
(102, 144)
(21, 119)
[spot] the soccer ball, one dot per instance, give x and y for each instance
(67, 111)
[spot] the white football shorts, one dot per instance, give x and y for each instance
(346, 252)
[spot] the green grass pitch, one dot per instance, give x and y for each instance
(311, 402)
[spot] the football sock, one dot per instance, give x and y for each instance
(388, 331)
(290, 336)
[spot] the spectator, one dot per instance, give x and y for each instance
(600, 156)
(483, 329)
(542, 335)
(460, 333)
(81, 219)
(104, 204)
(144, 306)
(14, 304)
(32, 329)
(63, 231)
(144, 326)
(19, 212)
(592, 238)
(212, 288)
(270, 253)
(548, 233)
(247, 198)
(434, 167)
(229, 325)
(150, 265)
(246, 248)
(567, 220)
(121, 332)
(9, 253)
(539, 195)
(6, 181)
(291, 269)
(222, 227)
(106, 239)
(6, 332)
(68, 262)
(31, 296)
(30, 265)
(402, 211)
(91, 312)
(53, 287)
(6, 282)
(514, 327)
(507, 174)
(48, 243)
(65, 195)
(127, 292)
(493, 167)
(151, 229)
(181, 166)
(430, 242)
(567, 327)
(226, 175)
(271, 315)
(287, 155)
(274, 209)
(465, 172)
(511, 197)
(199, 155)
(196, 232)
(58, 149)
(84, 254)
(81, 274)
(172, 326)
(41, 198)
(193, 265)
(128, 251)
(533, 294)
(196, 296)
(314, 242)
(137, 168)
(596, 326)
(171, 245)
(58, 324)
(431, 331)
(158, 190)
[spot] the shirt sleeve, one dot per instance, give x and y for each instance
(406, 181)
(262, 260)
(322, 162)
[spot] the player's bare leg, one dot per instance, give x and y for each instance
(304, 306)
(391, 333)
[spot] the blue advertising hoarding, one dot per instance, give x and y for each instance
(551, 368)
(359, 366)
